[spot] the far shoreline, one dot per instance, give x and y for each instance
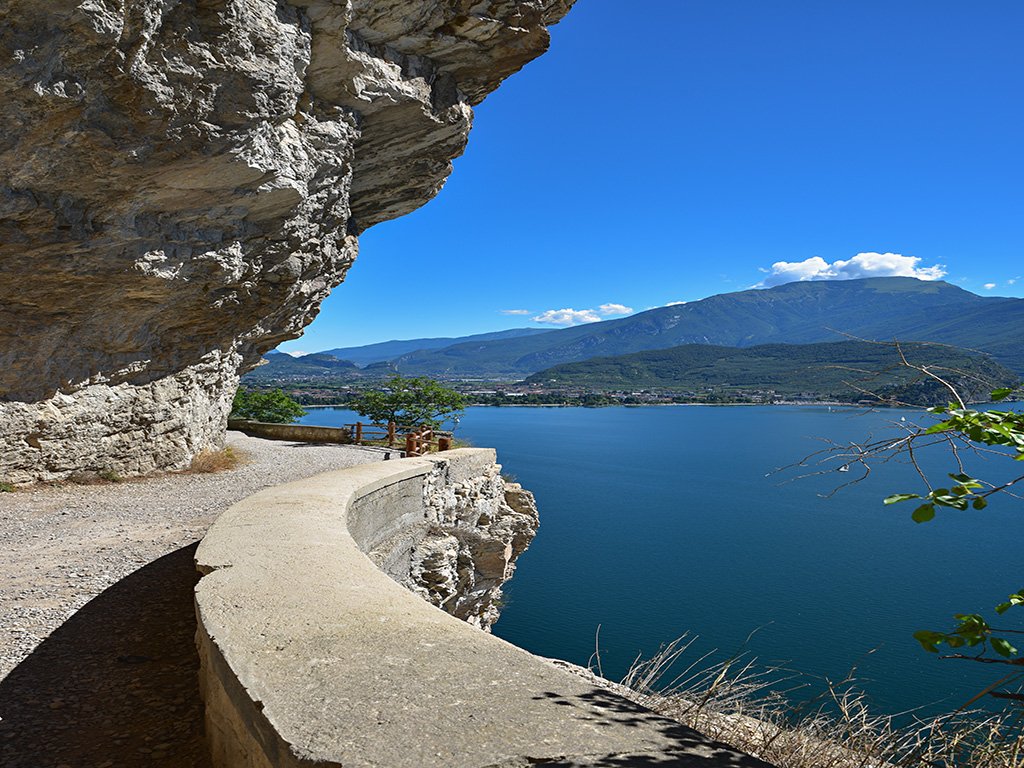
(802, 403)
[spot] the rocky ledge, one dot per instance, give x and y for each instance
(475, 526)
(183, 184)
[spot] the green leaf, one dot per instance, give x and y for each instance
(1015, 599)
(924, 513)
(1002, 647)
(979, 503)
(896, 498)
(949, 500)
(928, 640)
(1001, 394)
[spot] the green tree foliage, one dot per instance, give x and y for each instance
(274, 407)
(964, 431)
(409, 402)
(995, 432)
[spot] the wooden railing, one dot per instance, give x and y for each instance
(416, 443)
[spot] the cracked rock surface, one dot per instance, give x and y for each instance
(479, 527)
(184, 182)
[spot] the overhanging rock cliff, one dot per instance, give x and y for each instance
(183, 184)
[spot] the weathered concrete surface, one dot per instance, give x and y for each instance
(184, 182)
(311, 655)
(297, 432)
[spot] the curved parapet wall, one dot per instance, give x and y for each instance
(313, 656)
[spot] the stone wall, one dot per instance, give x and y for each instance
(297, 432)
(313, 656)
(183, 183)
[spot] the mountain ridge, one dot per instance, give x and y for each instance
(876, 308)
(385, 351)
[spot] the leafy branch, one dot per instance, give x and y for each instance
(962, 430)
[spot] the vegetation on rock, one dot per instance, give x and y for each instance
(209, 461)
(740, 705)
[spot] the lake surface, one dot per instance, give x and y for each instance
(656, 521)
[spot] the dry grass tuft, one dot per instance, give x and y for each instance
(217, 461)
(89, 477)
(736, 703)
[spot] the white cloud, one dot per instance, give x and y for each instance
(514, 311)
(567, 316)
(989, 286)
(614, 309)
(862, 265)
(676, 303)
(1012, 281)
(297, 354)
(571, 316)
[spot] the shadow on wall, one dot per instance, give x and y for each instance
(116, 684)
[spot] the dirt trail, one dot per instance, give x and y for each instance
(97, 662)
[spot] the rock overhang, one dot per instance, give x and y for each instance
(185, 183)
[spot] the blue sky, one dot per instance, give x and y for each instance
(674, 149)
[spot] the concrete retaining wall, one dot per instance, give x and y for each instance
(300, 433)
(312, 656)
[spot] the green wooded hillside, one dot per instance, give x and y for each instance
(841, 371)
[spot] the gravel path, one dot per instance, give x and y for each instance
(97, 665)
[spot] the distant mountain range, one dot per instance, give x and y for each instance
(279, 366)
(878, 308)
(389, 350)
(844, 370)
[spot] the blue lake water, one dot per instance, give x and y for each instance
(656, 521)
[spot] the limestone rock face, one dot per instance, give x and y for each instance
(184, 182)
(478, 527)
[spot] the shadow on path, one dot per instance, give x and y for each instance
(688, 748)
(116, 684)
